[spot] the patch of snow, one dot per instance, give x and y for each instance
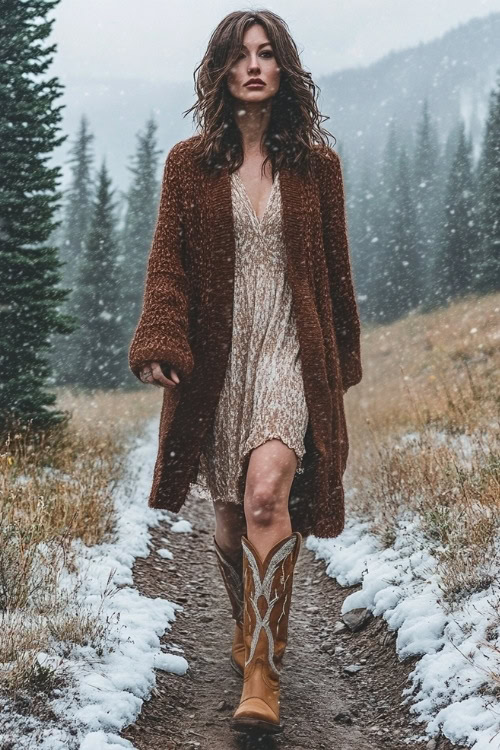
(182, 526)
(165, 553)
(451, 688)
(171, 663)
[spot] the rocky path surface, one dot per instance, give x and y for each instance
(322, 705)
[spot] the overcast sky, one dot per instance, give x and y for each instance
(163, 40)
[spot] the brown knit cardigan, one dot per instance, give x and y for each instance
(186, 322)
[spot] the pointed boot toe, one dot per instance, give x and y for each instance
(256, 714)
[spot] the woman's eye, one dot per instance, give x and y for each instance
(266, 52)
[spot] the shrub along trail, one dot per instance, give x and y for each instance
(322, 705)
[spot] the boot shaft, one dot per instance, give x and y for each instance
(232, 575)
(267, 597)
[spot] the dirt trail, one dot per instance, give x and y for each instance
(321, 705)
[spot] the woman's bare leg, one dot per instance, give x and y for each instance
(230, 524)
(270, 474)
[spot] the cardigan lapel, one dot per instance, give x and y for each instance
(293, 204)
(298, 195)
(219, 268)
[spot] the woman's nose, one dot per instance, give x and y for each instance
(253, 66)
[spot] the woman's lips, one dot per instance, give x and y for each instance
(254, 85)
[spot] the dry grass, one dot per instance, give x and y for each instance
(424, 432)
(53, 491)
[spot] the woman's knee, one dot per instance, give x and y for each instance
(265, 503)
(268, 481)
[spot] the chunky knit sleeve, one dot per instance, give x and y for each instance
(162, 330)
(335, 239)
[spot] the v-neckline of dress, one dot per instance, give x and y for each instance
(249, 202)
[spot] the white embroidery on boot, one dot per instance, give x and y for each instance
(263, 588)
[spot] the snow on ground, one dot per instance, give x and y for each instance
(109, 689)
(450, 689)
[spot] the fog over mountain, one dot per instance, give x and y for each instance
(455, 72)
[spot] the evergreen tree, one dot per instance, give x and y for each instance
(453, 270)
(29, 265)
(486, 259)
(75, 229)
(137, 236)
(78, 204)
(427, 195)
(365, 240)
(406, 266)
(99, 338)
(449, 153)
(385, 273)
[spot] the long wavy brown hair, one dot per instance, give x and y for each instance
(295, 121)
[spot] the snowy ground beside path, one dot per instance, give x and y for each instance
(450, 688)
(109, 689)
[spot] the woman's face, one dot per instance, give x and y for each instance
(256, 60)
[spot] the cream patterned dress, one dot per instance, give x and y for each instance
(263, 393)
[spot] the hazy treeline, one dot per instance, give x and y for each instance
(424, 222)
(104, 254)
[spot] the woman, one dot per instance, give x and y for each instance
(250, 325)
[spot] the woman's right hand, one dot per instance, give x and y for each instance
(153, 374)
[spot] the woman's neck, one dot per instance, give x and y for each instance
(252, 118)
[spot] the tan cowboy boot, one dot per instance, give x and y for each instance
(267, 596)
(232, 575)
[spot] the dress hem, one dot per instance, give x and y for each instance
(236, 498)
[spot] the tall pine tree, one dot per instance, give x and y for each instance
(453, 269)
(140, 217)
(75, 230)
(99, 337)
(29, 265)
(427, 196)
(385, 290)
(78, 203)
(406, 266)
(487, 257)
(365, 240)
